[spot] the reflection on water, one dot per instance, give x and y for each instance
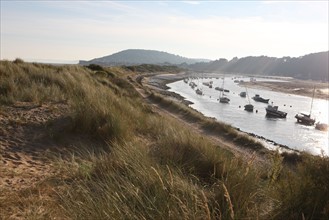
(283, 131)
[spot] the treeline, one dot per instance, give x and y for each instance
(312, 66)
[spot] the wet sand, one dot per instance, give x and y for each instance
(294, 86)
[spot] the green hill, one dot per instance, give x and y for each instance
(139, 56)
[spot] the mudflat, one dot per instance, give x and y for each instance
(294, 86)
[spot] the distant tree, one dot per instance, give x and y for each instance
(18, 61)
(95, 67)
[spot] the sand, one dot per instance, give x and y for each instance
(293, 86)
(26, 144)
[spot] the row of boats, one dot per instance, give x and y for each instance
(271, 110)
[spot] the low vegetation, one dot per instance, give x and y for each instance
(135, 163)
(151, 68)
(209, 124)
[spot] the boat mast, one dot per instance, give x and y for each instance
(223, 86)
(312, 101)
(247, 95)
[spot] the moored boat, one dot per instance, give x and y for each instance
(243, 94)
(199, 92)
(249, 107)
(224, 99)
(273, 111)
(257, 98)
(305, 119)
(192, 84)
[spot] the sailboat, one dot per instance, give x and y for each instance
(198, 90)
(306, 119)
(222, 98)
(249, 107)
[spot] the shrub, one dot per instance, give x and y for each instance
(95, 67)
(18, 61)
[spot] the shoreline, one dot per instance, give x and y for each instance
(159, 82)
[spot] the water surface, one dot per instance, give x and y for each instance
(282, 131)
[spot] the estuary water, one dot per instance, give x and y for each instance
(282, 131)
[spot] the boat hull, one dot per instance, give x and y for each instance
(259, 99)
(276, 114)
(305, 120)
(272, 111)
(249, 108)
(224, 100)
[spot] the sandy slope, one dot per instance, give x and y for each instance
(26, 143)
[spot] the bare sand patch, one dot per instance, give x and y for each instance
(25, 143)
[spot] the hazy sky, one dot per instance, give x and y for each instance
(82, 30)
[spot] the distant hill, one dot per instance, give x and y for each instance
(312, 66)
(139, 56)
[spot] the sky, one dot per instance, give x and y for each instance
(68, 31)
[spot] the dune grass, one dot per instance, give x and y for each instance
(208, 124)
(143, 165)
